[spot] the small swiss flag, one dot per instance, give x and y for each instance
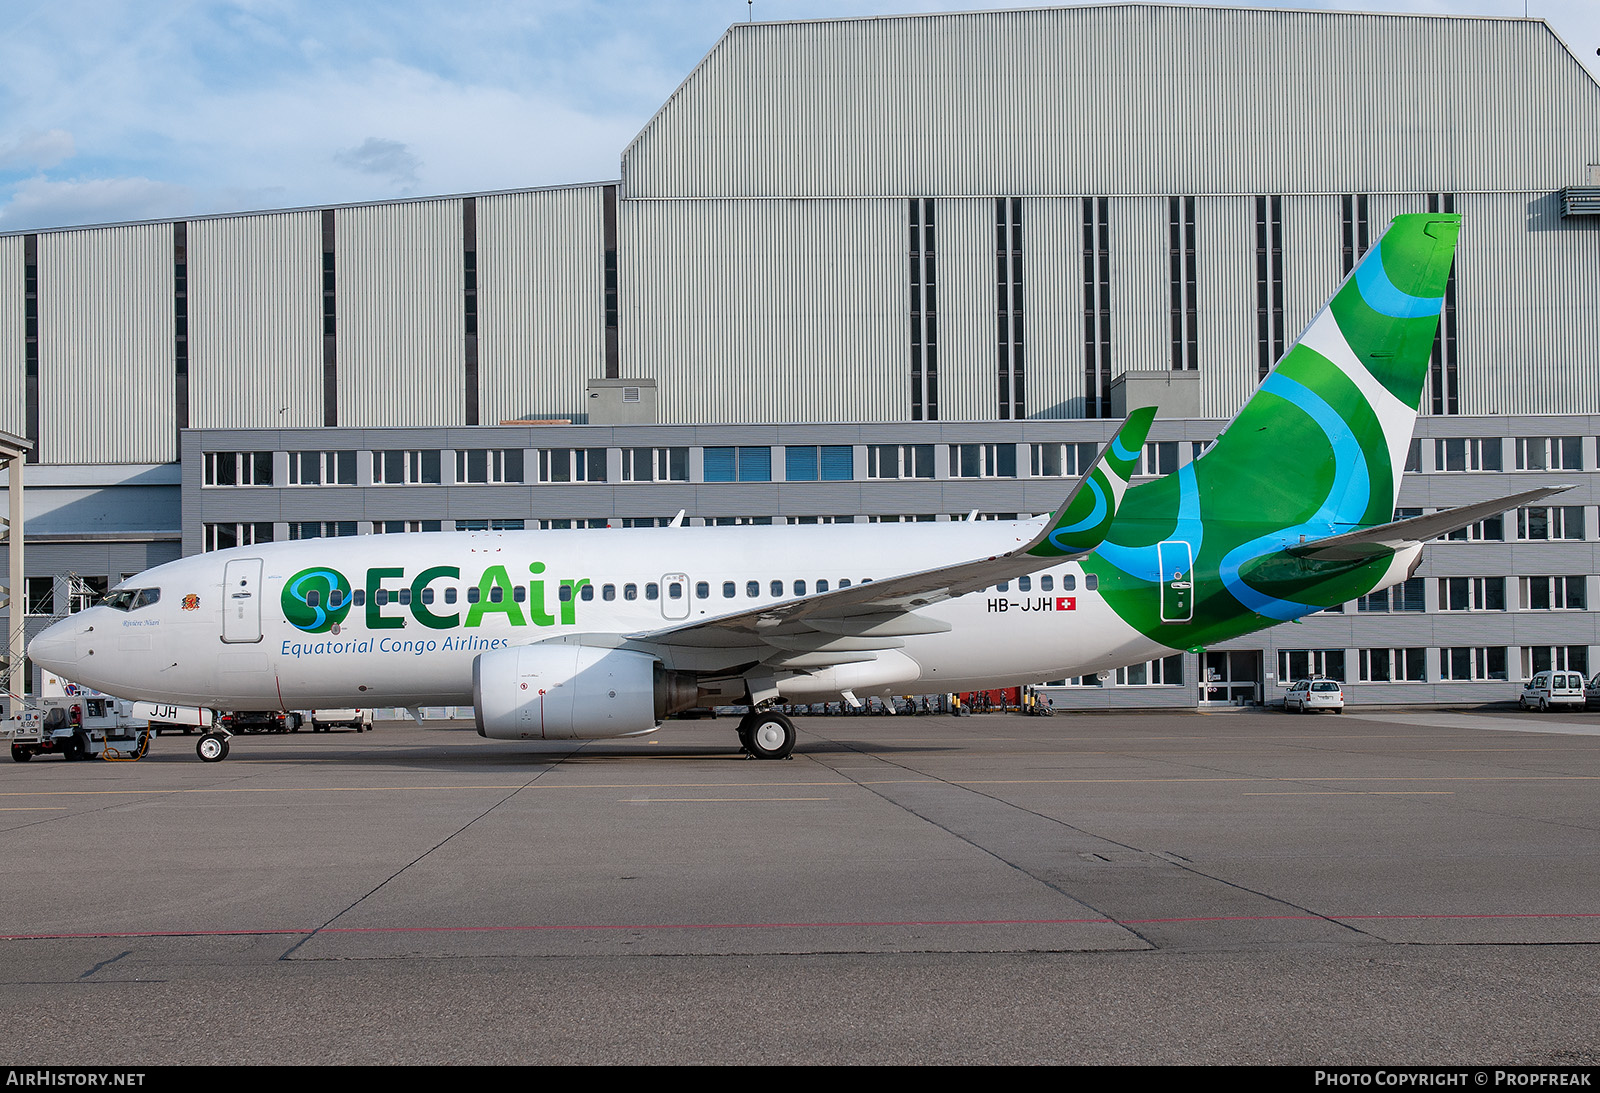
(1066, 603)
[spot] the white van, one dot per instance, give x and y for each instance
(1547, 689)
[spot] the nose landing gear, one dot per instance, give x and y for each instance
(212, 747)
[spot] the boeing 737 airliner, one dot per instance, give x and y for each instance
(589, 634)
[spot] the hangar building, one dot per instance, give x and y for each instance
(880, 268)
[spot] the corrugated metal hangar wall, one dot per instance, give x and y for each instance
(961, 217)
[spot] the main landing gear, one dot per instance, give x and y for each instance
(766, 735)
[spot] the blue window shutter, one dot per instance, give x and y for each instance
(838, 463)
(802, 463)
(755, 464)
(719, 465)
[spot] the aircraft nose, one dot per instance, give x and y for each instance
(56, 648)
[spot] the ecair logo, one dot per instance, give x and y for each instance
(319, 599)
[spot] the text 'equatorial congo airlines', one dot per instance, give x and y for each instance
(604, 633)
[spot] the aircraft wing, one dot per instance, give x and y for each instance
(1387, 538)
(848, 624)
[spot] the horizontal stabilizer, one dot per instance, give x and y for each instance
(1386, 538)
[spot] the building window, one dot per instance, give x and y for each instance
(1166, 672)
(84, 592)
(1549, 453)
(1354, 228)
(405, 468)
(1408, 595)
(1490, 530)
(738, 464)
(1062, 460)
(563, 524)
(321, 529)
(1393, 665)
(223, 536)
(1552, 593)
(1443, 377)
(924, 283)
(1465, 664)
(983, 461)
(486, 466)
(1183, 309)
(1542, 658)
(1466, 453)
(900, 461)
(572, 465)
(322, 468)
(655, 464)
(1296, 664)
(1012, 401)
(40, 596)
(490, 525)
(399, 527)
(819, 463)
(238, 468)
(1472, 593)
(1550, 522)
(1414, 456)
(1269, 282)
(1096, 255)
(1159, 457)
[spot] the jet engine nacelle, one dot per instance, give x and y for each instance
(555, 691)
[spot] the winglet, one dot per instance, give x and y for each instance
(1081, 523)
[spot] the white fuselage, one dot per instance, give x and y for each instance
(219, 636)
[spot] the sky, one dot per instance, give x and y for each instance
(113, 111)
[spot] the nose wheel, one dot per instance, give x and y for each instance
(212, 747)
(766, 735)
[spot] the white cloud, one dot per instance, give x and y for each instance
(41, 202)
(35, 150)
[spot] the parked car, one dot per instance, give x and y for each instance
(253, 721)
(1305, 695)
(1591, 693)
(1547, 689)
(325, 720)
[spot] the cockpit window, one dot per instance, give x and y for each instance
(131, 599)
